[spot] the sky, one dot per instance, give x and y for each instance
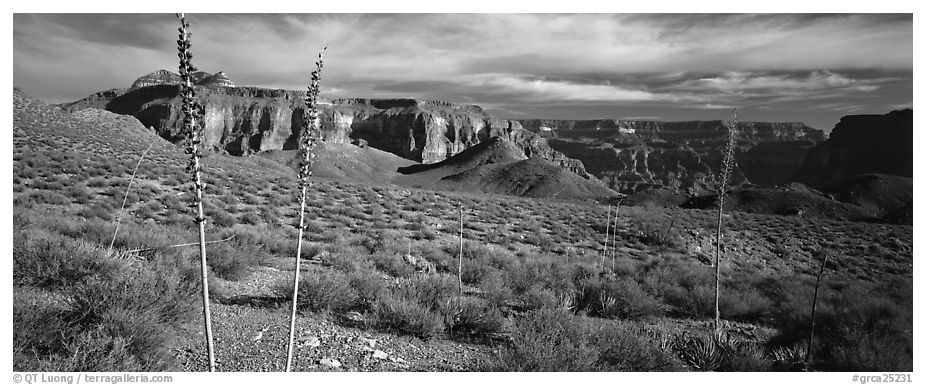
(813, 68)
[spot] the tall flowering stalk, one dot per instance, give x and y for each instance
(192, 125)
(310, 137)
(607, 236)
(724, 177)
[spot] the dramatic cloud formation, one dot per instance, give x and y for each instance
(780, 67)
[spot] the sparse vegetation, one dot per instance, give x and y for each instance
(532, 286)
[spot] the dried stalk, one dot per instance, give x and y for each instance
(460, 266)
(813, 311)
(617, 211)
(179, 245)
(126, 197)
(192, 126)
(310, 128)
(724, 176)
(607, 235)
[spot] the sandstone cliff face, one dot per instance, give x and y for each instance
(863, 144)
(683, 156)
(243, 120)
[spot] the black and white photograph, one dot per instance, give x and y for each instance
(395, 191)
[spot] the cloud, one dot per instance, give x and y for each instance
(778, 83)
(588, 63)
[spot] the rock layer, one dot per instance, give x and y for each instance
(244, 120)
(863, 144)
(683, 156)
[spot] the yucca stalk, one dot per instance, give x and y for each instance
(192, 124)
(126, 197)
(310, 137)
(460, 265)
(724, 177)
(607, 236)
(813, 311)
(617, 211)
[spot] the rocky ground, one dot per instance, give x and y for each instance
(251, 334)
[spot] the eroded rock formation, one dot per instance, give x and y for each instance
(684, 156)
(242, 120)
(863, 144)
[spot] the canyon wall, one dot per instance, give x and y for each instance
(862, 144)
(683, 156)
(245, 120)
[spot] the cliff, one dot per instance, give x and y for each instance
(243, 120)
(682, 156)
(862, 144)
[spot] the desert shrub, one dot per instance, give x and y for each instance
(626, 347)
(249, 218)
(98, 350)
(549, 340)
(38, 331)
(546, 272)
(495, 288)
(655, 230)
(859, 329)
(368, 285)
(133, 236)
(472, 318)
(126, 321)
(343, 258)
(78, 193)
(539, 297)
(428, 290)
(275, 240)
(45, 259)
(443, 261)
(233, 259)
(425, 232)
(392, 264)
(48, 197)
(406, 316)
(616, 298)
(474, 271)
(221, 218)
(321, 291)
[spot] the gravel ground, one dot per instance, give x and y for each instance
(251, 335)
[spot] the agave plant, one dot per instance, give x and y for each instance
(310, 138)
(192, 125)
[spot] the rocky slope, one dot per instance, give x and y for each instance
(862, 144)
(242, 120)
(683, 156)
(499, 166)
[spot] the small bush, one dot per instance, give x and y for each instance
(48, 197)
(625, 347)
(406, 316)
(656, 231)
(392, 264)
(430, 291)
(327, 291)
(618, 298)
(548, 340)
(472, 318)
(856, 330)
(232, 260)
(45, 259)
(368, 285)
(495, 288)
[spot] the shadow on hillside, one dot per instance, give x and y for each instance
(258, 301)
